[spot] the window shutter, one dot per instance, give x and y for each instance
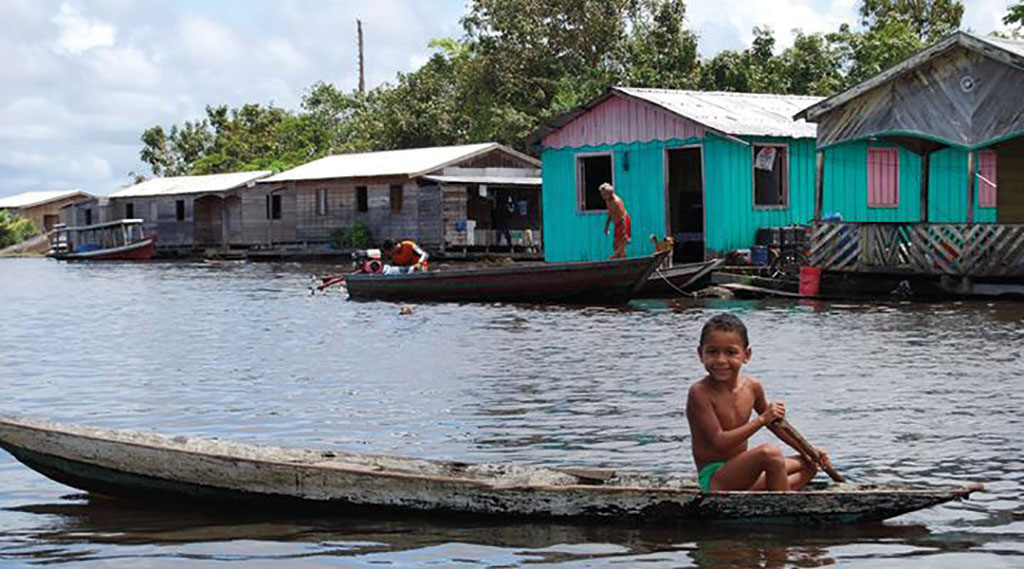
(987, 178)
(883, 177)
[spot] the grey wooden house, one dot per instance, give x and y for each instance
(187, 212)
(443, 197)
(925, 164)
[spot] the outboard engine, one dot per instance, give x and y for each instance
(367, 261)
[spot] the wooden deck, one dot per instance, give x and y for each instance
(964, 250)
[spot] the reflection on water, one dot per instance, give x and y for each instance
(94, 529)
(926, 393)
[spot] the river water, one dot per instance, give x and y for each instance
(897, 392)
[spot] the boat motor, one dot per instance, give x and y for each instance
(367, 261)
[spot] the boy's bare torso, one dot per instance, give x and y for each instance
(731, 407)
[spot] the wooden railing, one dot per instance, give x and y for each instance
(983, 249)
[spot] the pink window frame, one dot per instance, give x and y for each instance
(784, 177)
(883, 170)
(988, 170)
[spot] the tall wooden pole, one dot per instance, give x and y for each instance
(362, 76)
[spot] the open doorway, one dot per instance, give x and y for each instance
(685, 197)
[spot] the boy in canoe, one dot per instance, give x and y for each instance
(718, 409)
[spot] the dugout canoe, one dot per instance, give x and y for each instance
(610, 281)
(163, 468)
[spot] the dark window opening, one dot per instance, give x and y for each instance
(179, 210)
(321, 201)
(592, 171)
(770, 187)
(129, 210)
(362, 199)
(274, 206)
(396, 197)
(88, 216)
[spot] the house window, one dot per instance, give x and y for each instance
(396, 198)
(179, 210)
(88, 216)
(321, 201)
(273, 206)
(987, 178)
(592, 170)
(362, 200)
(129, 210)
(883, 177)
(771, 187)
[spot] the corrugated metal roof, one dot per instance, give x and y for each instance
(736, 114)
(190, 184)
(409, 162)
(31, 199)
(492, 180)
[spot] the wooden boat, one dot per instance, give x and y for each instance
(609, 281)
(120, 240)
(156, 467)
(678, 279)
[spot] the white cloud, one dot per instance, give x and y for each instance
(124, 66)
(209, 42)
(79, 34)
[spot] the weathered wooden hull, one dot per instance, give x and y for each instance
(137, 251)
(612, 281)
(671, 281)
(155, 467)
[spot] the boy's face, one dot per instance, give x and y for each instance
(723, 354)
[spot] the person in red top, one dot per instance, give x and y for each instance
(617, 214)
(407, 254)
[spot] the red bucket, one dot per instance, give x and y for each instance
(810, 281)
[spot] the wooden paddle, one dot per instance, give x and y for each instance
(807, 449)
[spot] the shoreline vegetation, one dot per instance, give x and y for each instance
(519, 63)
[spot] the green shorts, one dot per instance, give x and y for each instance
(705, 474)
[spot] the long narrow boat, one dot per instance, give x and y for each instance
(678, 279)
(609, 281)
(120, 240)
(156, 467)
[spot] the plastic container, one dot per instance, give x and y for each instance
(758, 256)
(810, 281)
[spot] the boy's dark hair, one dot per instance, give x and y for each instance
(388, 245)
(725, 322)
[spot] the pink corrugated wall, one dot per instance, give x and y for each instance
(619, 119)
(987, 183)
(883, 177)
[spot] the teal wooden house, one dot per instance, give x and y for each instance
(924, 163)
(709, 169)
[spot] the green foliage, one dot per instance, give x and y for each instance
(358, 236)
(521, 62)
(1015, 17)
(14, 229)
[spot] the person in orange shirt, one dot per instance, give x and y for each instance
(617, 214)
(407, 256)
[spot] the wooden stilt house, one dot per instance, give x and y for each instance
(710, 169)
(920, 169)
(446, 197)
(189, 212)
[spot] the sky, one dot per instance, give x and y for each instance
(80, 80)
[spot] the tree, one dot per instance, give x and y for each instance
(929, 20)
(662, 52)
(812, 66)
(14, 229)
(1015, 17)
